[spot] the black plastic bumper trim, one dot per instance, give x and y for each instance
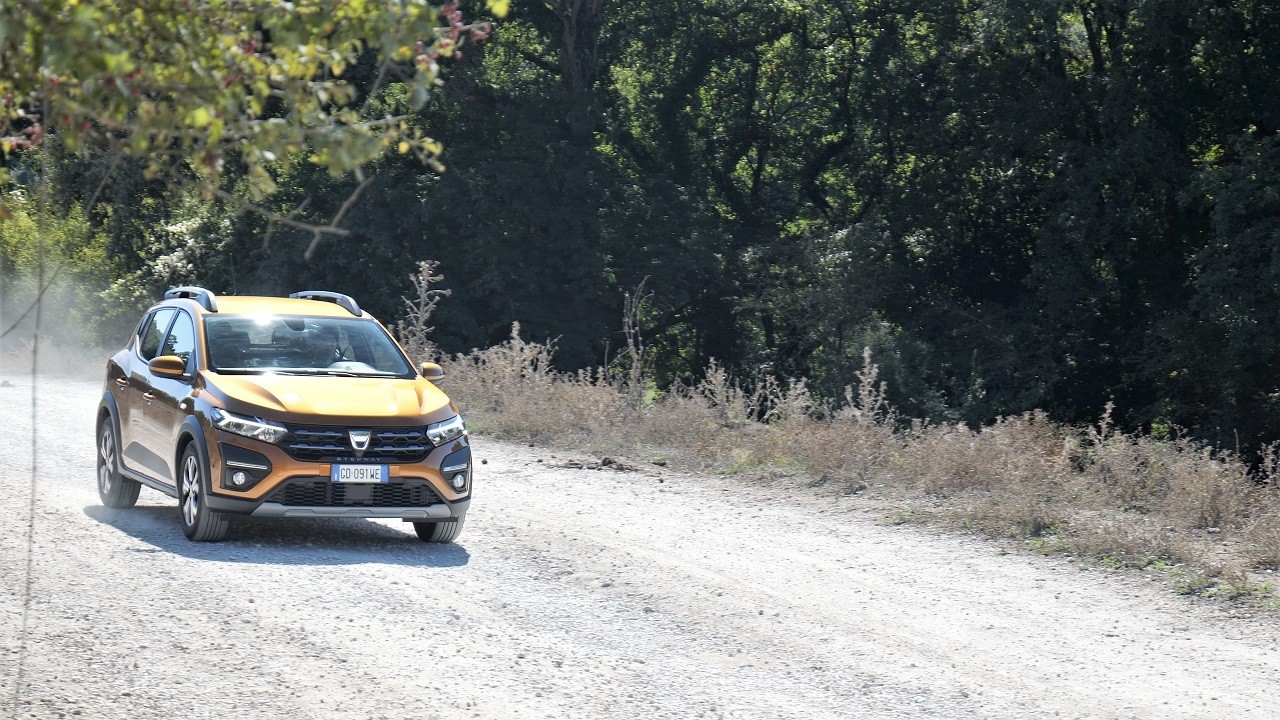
(237, 506)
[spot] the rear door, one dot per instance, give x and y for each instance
(119, 384)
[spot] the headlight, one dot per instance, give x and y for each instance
(442, 432)
(248, 426)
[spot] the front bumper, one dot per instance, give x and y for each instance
(441, 511)
(414, 491)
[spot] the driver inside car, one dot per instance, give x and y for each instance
(324, 348)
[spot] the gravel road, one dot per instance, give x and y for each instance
(575, 593)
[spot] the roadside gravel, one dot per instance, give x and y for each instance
(575, 593)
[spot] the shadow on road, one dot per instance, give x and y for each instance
(284, 541)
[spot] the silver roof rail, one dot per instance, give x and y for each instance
(199, 294)
(346, 301)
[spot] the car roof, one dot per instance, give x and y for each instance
(250, 304)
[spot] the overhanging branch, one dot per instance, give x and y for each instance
(275, 217)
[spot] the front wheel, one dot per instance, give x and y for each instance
(115, 490)
(199, 522)
(440, 532)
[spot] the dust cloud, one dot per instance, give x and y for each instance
(71, 341)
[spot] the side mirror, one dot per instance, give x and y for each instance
(432, 372)
(168, 366)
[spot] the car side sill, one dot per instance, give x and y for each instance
(152, 483)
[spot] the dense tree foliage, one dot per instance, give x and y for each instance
(178, 90)
(184, 84)
(1019, 204)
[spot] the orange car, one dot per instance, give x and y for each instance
(279, 407)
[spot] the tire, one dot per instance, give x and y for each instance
(199, 523)
(440, 532)
(115, 490)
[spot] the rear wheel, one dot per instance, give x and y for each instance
(439, 532)
(199, 522)
(114, 490)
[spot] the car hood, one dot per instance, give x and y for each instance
(297, 398)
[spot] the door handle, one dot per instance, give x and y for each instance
(149, 395)
(122, 382)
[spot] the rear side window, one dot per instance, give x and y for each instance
(152, 332)
(181, 340)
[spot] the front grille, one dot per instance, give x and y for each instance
(333, 444)
(322, 492)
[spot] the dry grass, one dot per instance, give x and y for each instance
(1121, 499)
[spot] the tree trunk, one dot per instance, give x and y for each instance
(581, 21)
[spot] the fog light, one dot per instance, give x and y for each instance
(239, 478)
(459, 481)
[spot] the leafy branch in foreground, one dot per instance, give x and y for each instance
(185, 84)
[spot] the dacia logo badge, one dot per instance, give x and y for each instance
(359, 440)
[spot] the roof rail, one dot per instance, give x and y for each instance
(345, 301)
(199, 294)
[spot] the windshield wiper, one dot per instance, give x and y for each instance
(301, 371)
(293, 371)
(353, 373)
(326, 373)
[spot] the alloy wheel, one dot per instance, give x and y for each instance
(106, 458)
(190, 490)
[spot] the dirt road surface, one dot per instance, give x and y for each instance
(574, 593)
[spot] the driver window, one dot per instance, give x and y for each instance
(149, 338)
(181, 340)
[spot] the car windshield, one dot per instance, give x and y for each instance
(293, 344)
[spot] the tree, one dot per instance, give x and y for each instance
(189, 85)
(1026, 204)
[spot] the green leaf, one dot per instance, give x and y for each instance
(498, 7)
(200, 117)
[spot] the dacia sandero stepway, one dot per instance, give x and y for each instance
(279, 407)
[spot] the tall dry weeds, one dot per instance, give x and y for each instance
(635, 362)
(1126, 498)
(412, 331)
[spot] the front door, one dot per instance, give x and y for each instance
(139, 454)
(164, 415)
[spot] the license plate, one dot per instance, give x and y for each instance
(359, 473)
